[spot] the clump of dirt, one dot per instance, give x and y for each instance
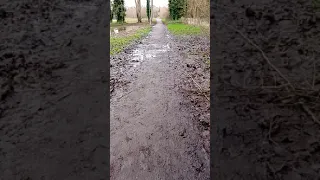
(266, 90)
(196, 54)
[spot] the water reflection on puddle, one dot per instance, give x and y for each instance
(137, 58)
(116, 30)
(150, 51)
(150, 55)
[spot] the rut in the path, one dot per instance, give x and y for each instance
(152, 133)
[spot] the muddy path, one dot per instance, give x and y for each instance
(153, 135)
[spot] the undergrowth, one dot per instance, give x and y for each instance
(117, 44)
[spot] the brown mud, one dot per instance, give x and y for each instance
(154, 126)
(53, 67)
(265, 88)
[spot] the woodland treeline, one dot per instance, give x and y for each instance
(189, 9)
(197, 9)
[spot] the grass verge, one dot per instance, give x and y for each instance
(117, 44)
(168, 21)
(128, 21)
(178, 28)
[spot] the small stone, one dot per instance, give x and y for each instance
(292, 176)
(316, 167)
(318, 15)
(206, 134)
(250, 12)
(3, 13)
(279, 151)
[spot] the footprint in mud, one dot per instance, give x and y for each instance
(145, 150)
(128, 139)
(145, 162)
(183, 133)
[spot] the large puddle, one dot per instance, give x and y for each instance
(148, 52)
(138, 57)
(116, 30)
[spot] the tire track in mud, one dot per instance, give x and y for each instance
(160, 139)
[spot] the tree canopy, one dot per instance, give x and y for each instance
(119, 10)
(177, 8)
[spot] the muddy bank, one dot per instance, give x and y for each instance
(52, 53)
(265, 88)
(195, 51)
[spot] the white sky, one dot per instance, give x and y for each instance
(161, 3)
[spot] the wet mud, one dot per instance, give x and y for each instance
(265, 86)
(154, 132)
(195, 51)
(53, 90)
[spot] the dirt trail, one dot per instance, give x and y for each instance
(152, 132)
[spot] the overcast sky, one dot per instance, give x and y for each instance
(161, 3)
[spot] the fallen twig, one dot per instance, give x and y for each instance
(314, 72)
(63, 97)
(269, 134)
(199, 87)
(263, 55)
(271, 169)
(306, 108)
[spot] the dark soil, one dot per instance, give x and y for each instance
(195, 51)
(53, 79)
(265, 115)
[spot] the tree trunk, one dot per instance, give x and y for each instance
(151, 8)
(138, 10)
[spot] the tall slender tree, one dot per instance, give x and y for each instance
(148, 10)
(138, 10)
(111, 11)
(151, 8)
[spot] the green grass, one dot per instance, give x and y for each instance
(178, 28)
(164, 21)
(168, 21)
(117, 44)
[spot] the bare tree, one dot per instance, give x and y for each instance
(138, 10)
(151, 16)
(198, 9)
